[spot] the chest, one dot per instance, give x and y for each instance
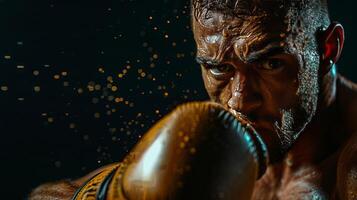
(307, 183)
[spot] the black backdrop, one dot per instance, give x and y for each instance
(81, 81)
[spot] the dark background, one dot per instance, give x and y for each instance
(81, 81)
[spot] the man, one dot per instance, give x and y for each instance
(274, 62)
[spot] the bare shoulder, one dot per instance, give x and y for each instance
(347, 170)
(62, 190)
(347, 161)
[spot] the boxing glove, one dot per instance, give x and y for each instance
(198, 151)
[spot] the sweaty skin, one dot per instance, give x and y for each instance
(273, 73)
(273, 68)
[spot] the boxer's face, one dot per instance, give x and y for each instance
(262, 67)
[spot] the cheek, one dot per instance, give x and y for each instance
(285, 94)
(281, 89)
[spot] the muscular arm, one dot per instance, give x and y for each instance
(62, 190)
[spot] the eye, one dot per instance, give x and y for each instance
(272, 64)
(220, 70)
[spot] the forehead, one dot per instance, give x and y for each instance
(216, 33)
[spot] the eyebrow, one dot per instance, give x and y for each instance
(269, 50)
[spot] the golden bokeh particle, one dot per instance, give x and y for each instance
(35, 72)
(50, 119)
(97, 87)
(90, 88)
(72, 125)
(192, 150)
(97, 115)
(182, 145)
(114, 88)
(37, 88)
(110, 79)
(101, 70)
(4, 88)
(80, 90)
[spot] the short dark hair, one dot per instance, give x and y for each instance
(241, 8)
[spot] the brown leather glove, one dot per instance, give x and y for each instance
(199, 151)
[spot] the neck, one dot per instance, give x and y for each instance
(316, 142)
(311, 149)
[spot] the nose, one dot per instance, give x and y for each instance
(245, 95)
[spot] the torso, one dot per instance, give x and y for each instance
(307, 182)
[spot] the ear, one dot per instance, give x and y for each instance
(331, 43)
